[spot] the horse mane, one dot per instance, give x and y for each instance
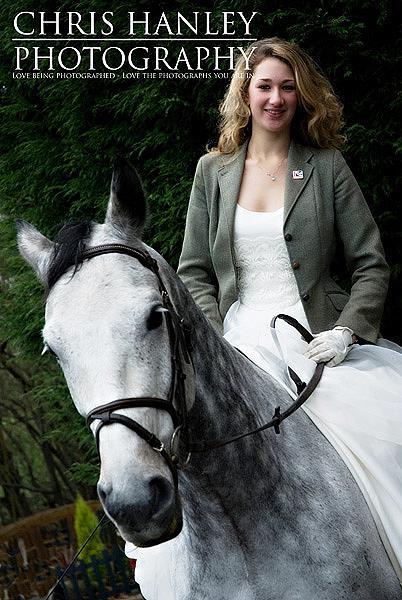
(70, 242)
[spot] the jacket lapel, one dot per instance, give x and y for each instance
(298, 173)
(230, 173)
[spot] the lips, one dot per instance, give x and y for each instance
(273, 113)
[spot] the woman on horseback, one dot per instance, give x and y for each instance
(271, 208)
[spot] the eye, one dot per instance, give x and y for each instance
(155, 317)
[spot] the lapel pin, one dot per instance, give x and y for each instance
(297, 174)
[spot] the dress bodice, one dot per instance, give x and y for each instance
(264, 275)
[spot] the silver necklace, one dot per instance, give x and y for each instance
(274, 174)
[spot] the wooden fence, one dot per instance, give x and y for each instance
(33, 548)
(99, 579)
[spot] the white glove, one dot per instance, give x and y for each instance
(332, 346)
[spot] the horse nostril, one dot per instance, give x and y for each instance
(161, 492)
(104, 489)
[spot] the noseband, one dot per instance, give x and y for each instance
(176, 403)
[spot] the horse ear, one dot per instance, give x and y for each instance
(127, 207)
(34, 248)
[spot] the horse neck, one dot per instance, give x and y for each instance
(232, 397)
(232, 394)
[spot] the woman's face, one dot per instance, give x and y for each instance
(272, 96)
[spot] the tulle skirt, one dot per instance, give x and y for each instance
(357, 406)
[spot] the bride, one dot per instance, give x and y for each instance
(271, 208)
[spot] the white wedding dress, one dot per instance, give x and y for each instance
(358, 406)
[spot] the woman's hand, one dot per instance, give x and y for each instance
(330, 346)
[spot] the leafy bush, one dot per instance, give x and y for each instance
(85, 521)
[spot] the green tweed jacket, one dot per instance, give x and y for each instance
(323, 204)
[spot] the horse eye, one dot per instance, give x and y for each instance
(156, 317)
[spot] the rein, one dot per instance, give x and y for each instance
(75, 557)
(176, 404)
(304, 392)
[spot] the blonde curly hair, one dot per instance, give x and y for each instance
(318, 118)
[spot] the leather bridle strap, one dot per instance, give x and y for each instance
(274, 422)
(143, 257)
(139, 402)
(279, 416)
(294, 323)
(106, 415)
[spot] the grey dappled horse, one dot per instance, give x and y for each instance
(268, 517)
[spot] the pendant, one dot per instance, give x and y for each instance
(273, 178)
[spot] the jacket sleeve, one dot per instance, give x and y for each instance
(195, 263)
(364, 255)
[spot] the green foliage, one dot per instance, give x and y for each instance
(85, 521)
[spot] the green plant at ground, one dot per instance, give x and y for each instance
(85, 521)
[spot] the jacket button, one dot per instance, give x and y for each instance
(295, 264)
(288, 237)
(306, 297)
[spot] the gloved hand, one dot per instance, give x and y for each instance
(332, 346)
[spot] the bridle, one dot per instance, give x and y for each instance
(176, 404)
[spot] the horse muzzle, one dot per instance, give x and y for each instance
(147, 513)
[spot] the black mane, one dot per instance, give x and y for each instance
(69, 245)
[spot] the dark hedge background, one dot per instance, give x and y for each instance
(59, 139)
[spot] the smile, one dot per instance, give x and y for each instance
(273, 112)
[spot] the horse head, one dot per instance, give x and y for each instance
(105, 323)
